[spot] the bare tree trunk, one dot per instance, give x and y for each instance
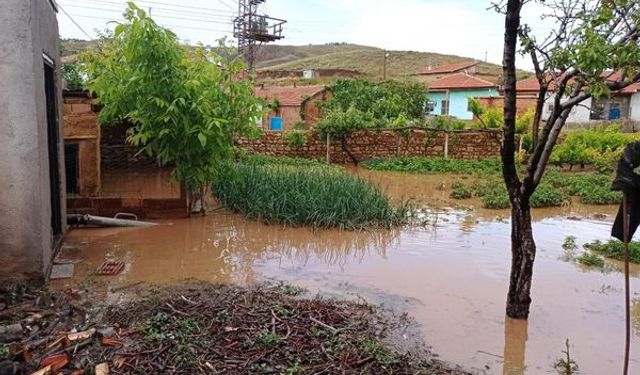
(523, 253)
(345, 148)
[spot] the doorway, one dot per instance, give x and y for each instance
(52, 143)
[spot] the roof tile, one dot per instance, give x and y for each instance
(291, 96)
(460, 81)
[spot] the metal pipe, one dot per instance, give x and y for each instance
(100, 221)
(627, 298)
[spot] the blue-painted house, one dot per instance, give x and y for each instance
(448, 96)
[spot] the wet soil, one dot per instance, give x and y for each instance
(451, 275)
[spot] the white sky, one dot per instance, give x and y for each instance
(458, 27)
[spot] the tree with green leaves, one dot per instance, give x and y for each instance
(591, 52)
(185, 105)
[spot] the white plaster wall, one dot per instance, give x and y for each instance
(634, 107)
(579, 114)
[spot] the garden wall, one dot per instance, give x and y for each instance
(370, 144)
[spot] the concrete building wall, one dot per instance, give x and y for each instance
(458, 101)
(579, 114)
(28, 29)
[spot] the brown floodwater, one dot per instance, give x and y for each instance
(451, 275)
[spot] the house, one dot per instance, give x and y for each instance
(290, 106)
(467, 67)
(622, 105)
(449, 95)
(32, 183)
(105, 175)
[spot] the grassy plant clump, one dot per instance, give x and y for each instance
(261, 159)
(433, 165)
(614, 249)
(591, 259)
(316, 196)
(461, 192)
(591, 188)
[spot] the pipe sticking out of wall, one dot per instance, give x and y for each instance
(76, 220)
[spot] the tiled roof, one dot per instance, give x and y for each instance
(291, 96)
(449, 68)
(531, 84)
(462, 82)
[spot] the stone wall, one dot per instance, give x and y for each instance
(370, 144)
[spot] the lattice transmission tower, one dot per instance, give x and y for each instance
(252, 28)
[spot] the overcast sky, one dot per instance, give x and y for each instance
(459, 27)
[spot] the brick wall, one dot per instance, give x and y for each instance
(369, 144)
(81, 127)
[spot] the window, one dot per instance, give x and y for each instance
(444, 109)
(431, 106)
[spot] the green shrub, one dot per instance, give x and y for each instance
(338, 122)
(496, 200)
(601, 146)
(614, 249)
(546, 196)
(461, 192)
(260, 159)
(295, 138)
(591, 260)
(433, 165)
(316, 196)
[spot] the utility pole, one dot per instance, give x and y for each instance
(251, 28)
(384, 66)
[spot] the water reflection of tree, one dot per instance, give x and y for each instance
(515, 345)
(635, 316)
(244, 243)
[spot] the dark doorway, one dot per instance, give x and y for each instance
(71, 167)
(52, 141)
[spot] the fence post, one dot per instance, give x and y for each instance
(446, 144)
(328, 148)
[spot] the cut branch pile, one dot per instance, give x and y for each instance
(210, 329)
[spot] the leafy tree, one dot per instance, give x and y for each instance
(185, 105)
(592, 51)
(384, 101)
(73, 76)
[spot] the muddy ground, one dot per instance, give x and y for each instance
(202, 328)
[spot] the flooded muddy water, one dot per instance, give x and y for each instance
(452, 275)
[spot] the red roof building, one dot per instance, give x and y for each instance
(460, 81)
(294, 105)
(450, 68)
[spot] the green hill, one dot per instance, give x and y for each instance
(368, 60)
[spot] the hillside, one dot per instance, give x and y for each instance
(368, 60)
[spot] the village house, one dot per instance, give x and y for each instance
(291, 106)
(32, 183)
(105, 175)
(449, 95)
(433, 73)
(622, 106)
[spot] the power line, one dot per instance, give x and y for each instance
(157, 16)
(200, 12)
(227, 5)
(163, 24)
(74, 22)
